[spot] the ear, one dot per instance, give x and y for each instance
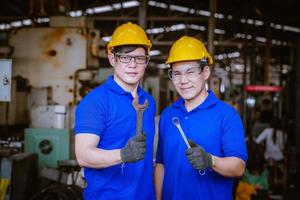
(206, 72)
(111, 58)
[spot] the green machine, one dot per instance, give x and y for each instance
(51, 145)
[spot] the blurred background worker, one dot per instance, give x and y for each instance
(213, 128)
(274, 140)
(117, 164)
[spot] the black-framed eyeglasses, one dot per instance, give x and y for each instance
(142, 60)
(189, 73)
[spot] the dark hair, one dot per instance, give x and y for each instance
(256, 159)
(128, 49)
(266, 102)
(276, 125)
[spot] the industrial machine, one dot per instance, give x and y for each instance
(20, 173)
(56, 52)
(51, 145)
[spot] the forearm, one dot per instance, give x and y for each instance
(158, 179)
(229, 166)
(88, 155)
(98, 158)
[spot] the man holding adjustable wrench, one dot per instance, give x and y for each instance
(115, 124)
(201, 144)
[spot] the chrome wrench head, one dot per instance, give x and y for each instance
(176, 122)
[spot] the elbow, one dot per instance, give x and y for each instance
(240, 172)
(241, 169)
(81, 158)
(80, 162)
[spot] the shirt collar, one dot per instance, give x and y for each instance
(210, 100)
(115, 87)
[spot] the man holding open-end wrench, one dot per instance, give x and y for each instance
(115, 124)
(201, 142)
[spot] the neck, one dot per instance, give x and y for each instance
(193, 103)
(127, 87)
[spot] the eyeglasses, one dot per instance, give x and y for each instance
(190, 73)
(142, 60)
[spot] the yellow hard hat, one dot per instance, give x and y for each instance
(129, 34)
(187, 49)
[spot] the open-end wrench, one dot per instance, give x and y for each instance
(139, 108)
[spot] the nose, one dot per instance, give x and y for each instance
(183, 78)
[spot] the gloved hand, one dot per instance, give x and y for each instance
(198, 157)
(135, 149)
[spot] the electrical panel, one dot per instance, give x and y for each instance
(5, 79)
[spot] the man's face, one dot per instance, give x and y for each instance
(188, 79)
(130, 67)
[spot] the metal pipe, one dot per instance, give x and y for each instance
(267, 56)
(211, 26)
(142, 13)
(75, 81)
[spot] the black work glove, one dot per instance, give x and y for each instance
(198, 157)
(135, 149)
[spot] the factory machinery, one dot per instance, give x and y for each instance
(39, 91)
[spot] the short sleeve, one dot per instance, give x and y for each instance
(233, 139)
(90, 115)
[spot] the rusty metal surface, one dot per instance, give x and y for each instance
(49, 57)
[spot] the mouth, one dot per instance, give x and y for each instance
(131, 74)
(185, 88)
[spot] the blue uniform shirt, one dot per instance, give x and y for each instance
(107, 111)
(213, 125)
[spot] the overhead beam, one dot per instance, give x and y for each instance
(220, 44)
(148, 18)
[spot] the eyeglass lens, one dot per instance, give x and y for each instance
(138, 59)
(189, 73)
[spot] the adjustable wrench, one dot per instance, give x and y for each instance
(139, 108)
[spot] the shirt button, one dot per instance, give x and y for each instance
(186, 118)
